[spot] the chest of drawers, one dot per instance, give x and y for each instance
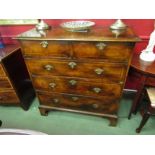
(80, 72)
(15, 86)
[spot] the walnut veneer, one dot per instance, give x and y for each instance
(78, 71)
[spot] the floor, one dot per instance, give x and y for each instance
(66, 123)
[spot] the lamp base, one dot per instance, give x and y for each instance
(118, 25)
(147, 56)
(42, 26)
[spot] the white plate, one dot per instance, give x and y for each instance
(77, 25)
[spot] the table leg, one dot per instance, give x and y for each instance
(137, 99)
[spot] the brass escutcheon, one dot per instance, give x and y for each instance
(55, 100)
(48, 67)
(74, 98)
(73, 82)
(99, 71)
(52, 85)
(44, 44)
(72, 65)
(97, 90)
(101, 46)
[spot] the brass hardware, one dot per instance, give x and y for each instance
(101, 46)
(74, 98)
(121, 82)
(99, 71)
(73, 82)
(72, 65)
(48, 67)
(44, 44)
(52, 85)
(55, 100)
(97, 90)
(95, 106)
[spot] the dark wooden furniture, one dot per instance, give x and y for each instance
(0, 122)
(145, 70)
(15, 85)
(150, 107)
(80, 72)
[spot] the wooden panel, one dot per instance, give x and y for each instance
(77, 86)
(2, 73)
(54, 48)
(76, 102)
(106, 72)
(102, 50)
(8, 97)
(4, 83)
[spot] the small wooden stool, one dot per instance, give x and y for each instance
(150, 107)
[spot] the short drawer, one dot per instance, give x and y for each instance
(2, 73)
(5, 83)
(108, 105)
(116, 51)
(77, 86)
(105, 71)
(46, 48)
(8, 97)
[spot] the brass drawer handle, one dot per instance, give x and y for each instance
(72, 82)
(48, 67)
(72, 65)
(52, 85)
(74, 98)
(55, 100)
(95, 106)
(44, 44)
(97, 90)
(99, 71)
(101, 46)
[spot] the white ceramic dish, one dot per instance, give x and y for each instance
(77, 25)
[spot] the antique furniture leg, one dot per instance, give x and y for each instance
(113, 121)
(43, 111)
(136, 102)
(0, 122)
(143, 122)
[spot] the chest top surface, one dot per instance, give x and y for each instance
(95, 34)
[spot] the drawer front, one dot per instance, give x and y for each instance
(77, 86)
(102, 50)
(46, 48)
(112, 72)
(2, 73)
(107, 105)
(4, 83)
(8, 97)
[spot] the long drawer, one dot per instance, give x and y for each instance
(107, 105)
(8, 97)
(77, 86)
(105, 71)
(2, 73)
(4, 83)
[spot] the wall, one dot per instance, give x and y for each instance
(142, 27)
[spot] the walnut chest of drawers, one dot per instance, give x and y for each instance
(15, 86)
(80, 72)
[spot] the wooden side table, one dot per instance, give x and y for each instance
(15, 85)
(146, 70)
